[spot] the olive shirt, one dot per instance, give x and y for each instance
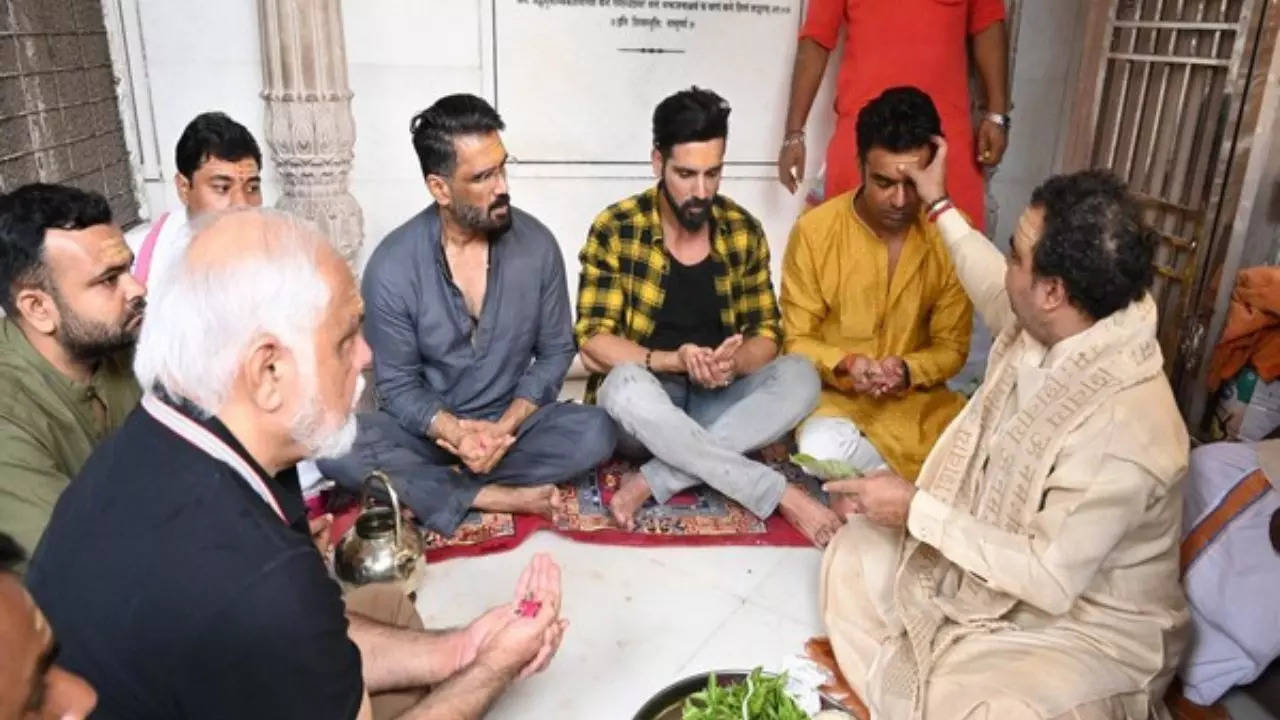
(49, 425)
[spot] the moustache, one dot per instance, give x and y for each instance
(136, 309)
(503, 202)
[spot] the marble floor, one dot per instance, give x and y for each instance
(640, 618)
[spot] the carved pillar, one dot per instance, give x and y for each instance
(310, 128)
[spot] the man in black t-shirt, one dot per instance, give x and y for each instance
(678, 322)
(178, 567)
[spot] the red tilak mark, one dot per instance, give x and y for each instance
(528, 608)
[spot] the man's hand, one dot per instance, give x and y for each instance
(992, 140)
(724, 365)
(697, 362)
(884, 497)
(321, 533)
(791, 164)
(931, 182)
(479, 448)
(508, 641)
(889, 377)
(857, 373)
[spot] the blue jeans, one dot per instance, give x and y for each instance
(698, 435)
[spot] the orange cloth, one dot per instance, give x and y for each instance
(1252, 333)
(904, 42)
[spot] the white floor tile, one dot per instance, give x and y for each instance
(790, 588)
(750, 637)
(636, 618)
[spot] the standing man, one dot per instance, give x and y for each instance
(924, 43)
(678, 322)
(72, 316)
(471, 335)
(870, 295)
(219, 166)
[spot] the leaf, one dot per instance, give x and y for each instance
(825, 469)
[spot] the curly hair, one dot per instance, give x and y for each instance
(25, 215)
(1095, 240)
(452, 116)
(693, 115)
(902, 118)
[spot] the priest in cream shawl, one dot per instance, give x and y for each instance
(1032, 570)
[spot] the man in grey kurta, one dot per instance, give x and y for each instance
(435, 358)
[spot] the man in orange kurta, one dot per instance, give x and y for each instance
(923, 43)
(870, 295)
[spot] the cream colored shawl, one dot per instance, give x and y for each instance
(1002, 482)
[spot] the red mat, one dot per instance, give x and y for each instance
(698, 517)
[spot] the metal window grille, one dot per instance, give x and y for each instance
(59, 118)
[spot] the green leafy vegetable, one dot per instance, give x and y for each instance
(758, 697)
(825, 469)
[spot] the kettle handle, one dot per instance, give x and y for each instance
(381, 477)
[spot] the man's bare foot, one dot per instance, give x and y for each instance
(813, 519)
(627, 499)
(533, 500)
(774, 452)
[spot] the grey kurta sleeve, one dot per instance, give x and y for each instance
(391, 332)
(554, 348)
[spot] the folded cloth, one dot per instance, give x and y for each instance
(1252, 332)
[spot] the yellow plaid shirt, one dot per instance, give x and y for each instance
(625, 261)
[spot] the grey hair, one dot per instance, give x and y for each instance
(203, 319)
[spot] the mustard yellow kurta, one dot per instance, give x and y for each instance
(837, 298)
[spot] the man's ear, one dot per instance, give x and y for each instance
(439, 190)
(183, 186)
(1054, 293)
(36, 308)
(266, 368)
(658, 163)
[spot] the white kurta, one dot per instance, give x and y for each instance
(1233, 584)
(1099, 618)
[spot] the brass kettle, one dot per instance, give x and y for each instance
(378, 547)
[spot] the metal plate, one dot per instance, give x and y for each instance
(666, 704)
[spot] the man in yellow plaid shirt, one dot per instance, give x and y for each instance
(678, 323)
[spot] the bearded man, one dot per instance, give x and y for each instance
(471, 335)
(72, 316)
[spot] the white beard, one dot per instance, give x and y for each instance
(326, 439)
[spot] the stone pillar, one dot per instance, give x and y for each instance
(310, 128)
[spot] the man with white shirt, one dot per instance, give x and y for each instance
(219, 167)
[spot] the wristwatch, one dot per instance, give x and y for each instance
(1000, 120)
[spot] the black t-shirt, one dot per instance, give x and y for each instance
(177, 592)
(690, 311)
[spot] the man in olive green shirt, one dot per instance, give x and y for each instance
(72, 316)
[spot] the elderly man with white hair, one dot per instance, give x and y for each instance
(178, 567)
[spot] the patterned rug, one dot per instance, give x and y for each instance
(699, 516)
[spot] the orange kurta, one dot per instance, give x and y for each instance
(837, 298)
(904, 42)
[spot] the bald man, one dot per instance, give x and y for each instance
(209, 597)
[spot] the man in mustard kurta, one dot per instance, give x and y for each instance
(72, 315)
(870, 295)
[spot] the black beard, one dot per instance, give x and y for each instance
(692, 215)
(90, 340)
(472, 217)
